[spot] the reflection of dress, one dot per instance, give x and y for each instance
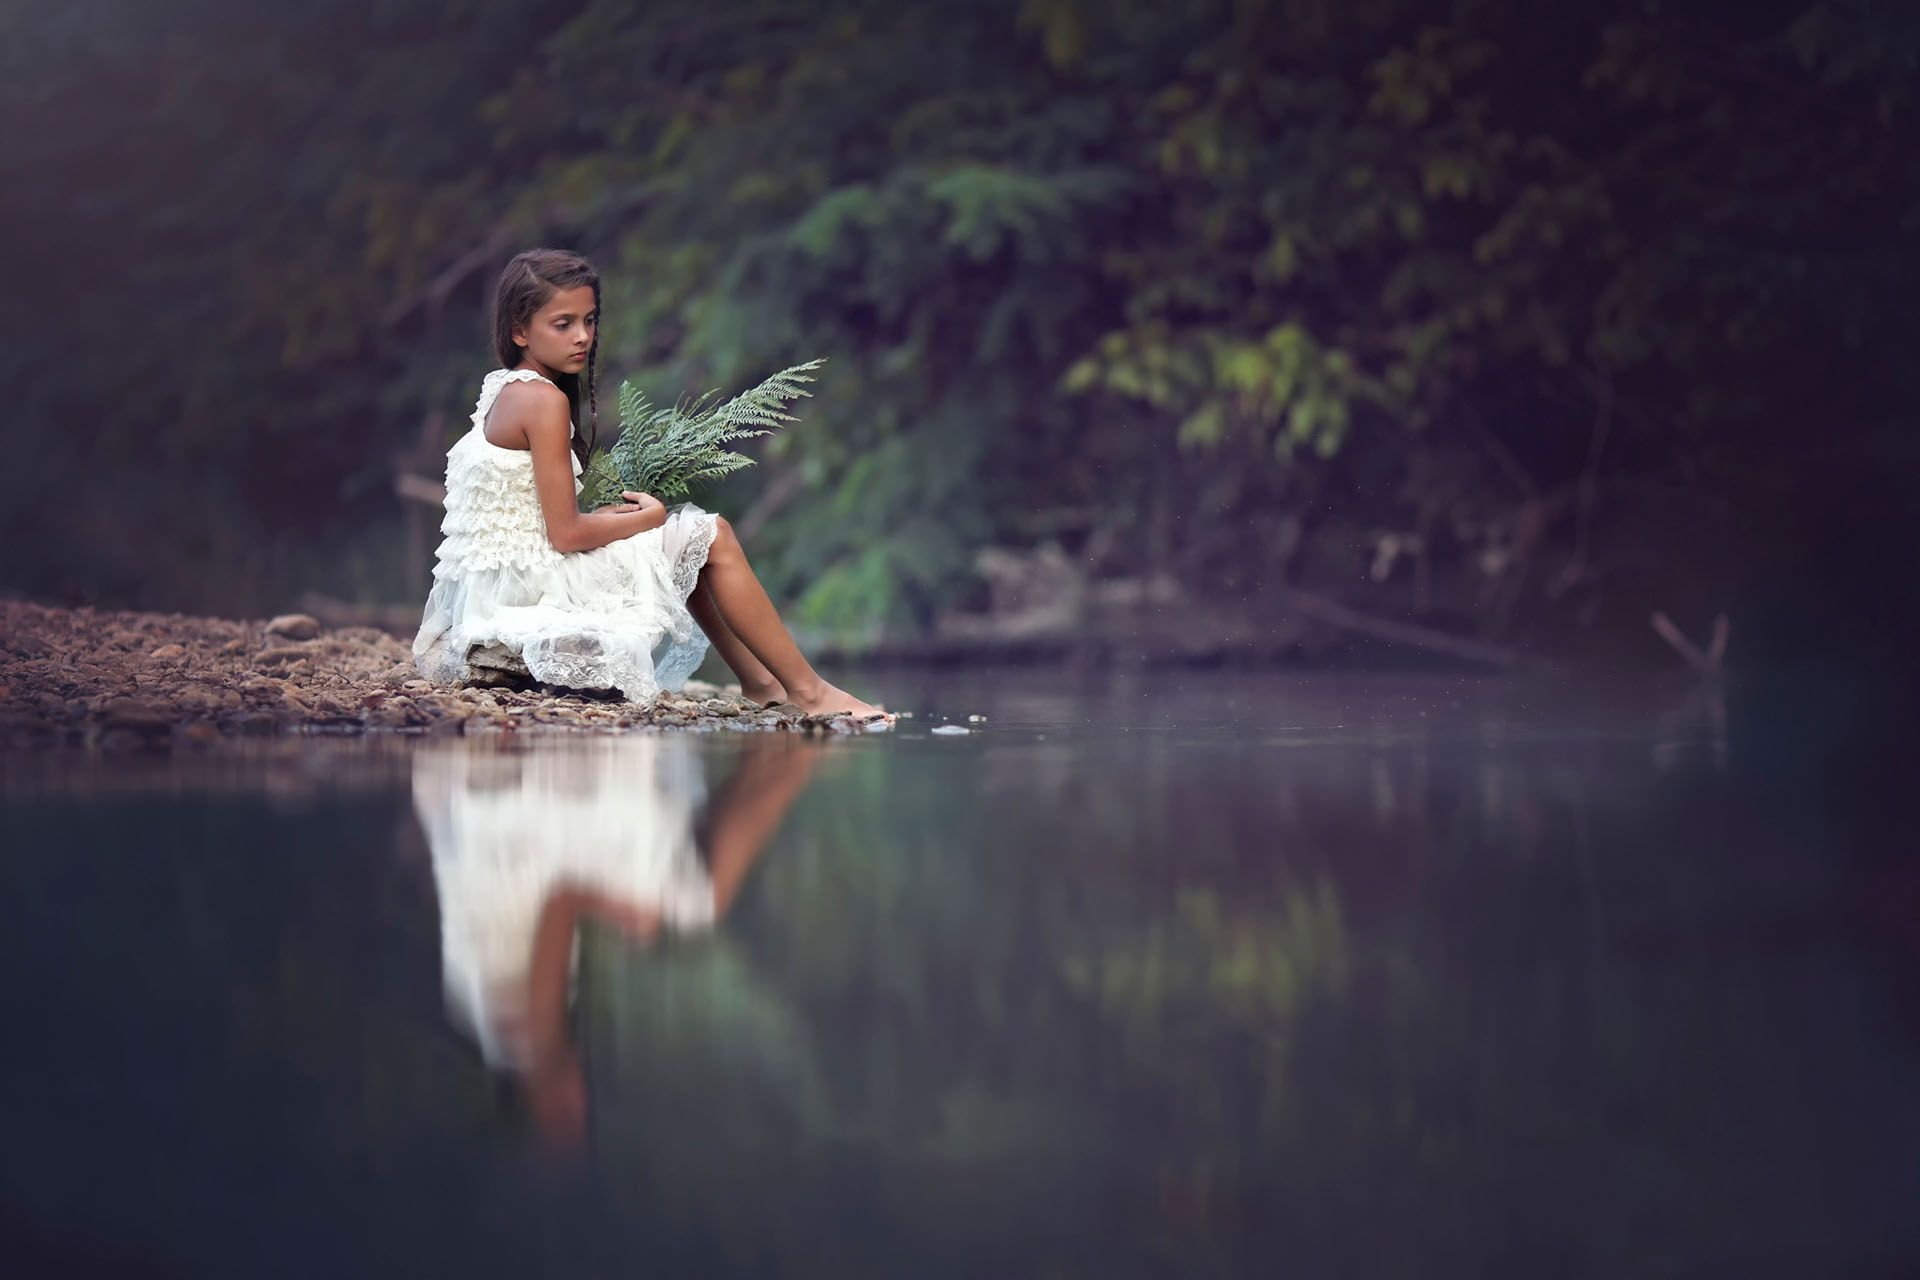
(506, 828)
(612, 617)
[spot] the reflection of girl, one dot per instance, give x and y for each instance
(528, 845)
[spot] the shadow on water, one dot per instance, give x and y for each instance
(1218, 975)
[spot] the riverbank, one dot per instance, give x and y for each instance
(124, 679)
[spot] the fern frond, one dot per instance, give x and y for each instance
(599, 481)
(667, 451)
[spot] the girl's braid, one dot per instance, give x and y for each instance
(593, 397)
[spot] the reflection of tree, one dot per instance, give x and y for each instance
(1416, 1048)
(1205, 985)
(1558, 1012)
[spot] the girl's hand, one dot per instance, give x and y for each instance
(642, 501)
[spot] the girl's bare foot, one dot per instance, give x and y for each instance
(831, 700)
(763, 694)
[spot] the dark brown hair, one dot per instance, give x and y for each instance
(527, 282)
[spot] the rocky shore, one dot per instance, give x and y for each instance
(116, 679)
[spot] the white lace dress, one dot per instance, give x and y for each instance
(613, 617)
(508, 827)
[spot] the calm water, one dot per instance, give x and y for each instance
(1179, 976)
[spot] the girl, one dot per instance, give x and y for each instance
(605, 599)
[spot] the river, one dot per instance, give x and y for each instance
(1156, 974)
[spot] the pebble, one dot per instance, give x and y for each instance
(279, 653)
(123, 679)
(294, 626)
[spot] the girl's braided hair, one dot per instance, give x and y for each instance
(526, 283)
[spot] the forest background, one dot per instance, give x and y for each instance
(1510, 322)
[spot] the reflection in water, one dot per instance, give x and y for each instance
(530, 846)
(1368, 980)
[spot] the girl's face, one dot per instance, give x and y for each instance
(560, 334)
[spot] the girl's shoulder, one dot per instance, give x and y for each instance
(523, 386)
(501, 378)
(522, 390)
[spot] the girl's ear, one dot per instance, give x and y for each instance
(519, 336)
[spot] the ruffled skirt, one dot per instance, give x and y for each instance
(614, 617)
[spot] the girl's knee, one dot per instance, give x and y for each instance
(724, 540)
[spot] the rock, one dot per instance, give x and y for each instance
(294, 626)
(140, 679)
(390, 716)
(497, 657)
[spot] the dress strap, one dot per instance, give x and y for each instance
(490, 391)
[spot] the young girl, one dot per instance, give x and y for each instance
(607, 599)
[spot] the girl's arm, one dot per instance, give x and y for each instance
(544, 420)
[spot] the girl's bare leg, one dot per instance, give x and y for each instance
(743, 605)
(756, 682)
(748, 807)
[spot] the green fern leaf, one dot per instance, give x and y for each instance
(667, 451)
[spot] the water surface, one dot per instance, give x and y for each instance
(1156, 975)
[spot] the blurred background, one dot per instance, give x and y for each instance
(1229, 327)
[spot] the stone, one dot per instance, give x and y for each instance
(134, 679)
(294, 626)
(497, 657)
